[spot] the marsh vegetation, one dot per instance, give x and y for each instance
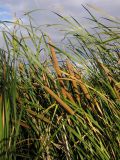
(66, 106)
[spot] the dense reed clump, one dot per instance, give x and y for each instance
(61, 108)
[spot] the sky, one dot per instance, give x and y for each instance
(10, 8)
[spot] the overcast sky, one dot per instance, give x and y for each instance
(8, 8)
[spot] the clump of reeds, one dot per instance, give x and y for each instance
(53, 110)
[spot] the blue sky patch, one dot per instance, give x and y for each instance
(5, 13)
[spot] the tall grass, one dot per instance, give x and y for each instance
(60, 108)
